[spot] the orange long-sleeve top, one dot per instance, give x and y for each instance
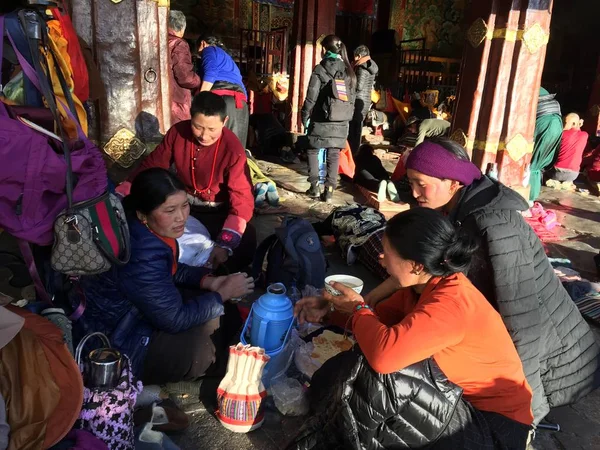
(453, 322)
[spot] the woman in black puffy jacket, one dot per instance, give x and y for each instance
(326, 113)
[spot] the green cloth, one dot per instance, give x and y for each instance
(547, 136)
(332, 55)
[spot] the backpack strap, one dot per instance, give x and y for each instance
(259, 255)
(33, 272)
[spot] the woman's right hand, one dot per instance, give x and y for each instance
(234, 286)
(311, 309)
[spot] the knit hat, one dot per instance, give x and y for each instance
(435, 161)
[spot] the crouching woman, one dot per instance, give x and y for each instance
(435, 315)
(159, 312)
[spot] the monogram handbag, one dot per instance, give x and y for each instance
(90, 237)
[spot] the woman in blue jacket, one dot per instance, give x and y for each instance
(159, 312)
(220, 74)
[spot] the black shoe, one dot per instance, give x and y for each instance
(314, 191)
(327, 195)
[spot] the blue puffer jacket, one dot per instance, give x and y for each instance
(129, 303)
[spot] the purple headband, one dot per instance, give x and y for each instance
(435, 161)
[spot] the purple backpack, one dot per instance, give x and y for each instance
(33, 175)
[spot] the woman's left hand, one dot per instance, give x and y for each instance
(347, 301)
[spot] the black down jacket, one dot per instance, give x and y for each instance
(365, 79)
(357, 408)
(557, 347)
(322, 133)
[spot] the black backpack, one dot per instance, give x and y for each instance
(339, 104)
(294, 256)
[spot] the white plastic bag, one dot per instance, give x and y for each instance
(289, 397)
(195, 246)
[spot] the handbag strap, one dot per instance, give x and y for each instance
(33, 272)
(42, 84)
(103, 338)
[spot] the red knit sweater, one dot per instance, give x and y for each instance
(231, 178)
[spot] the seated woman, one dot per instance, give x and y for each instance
(436, 312)
(152, 308)
(511, 269)
(371, 174)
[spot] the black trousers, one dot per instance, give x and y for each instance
(333, 164)
(243, 255)
(239, 119)
(355, 133)
(364, 178)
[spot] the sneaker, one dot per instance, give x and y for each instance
(327, 195)
(260, 194)
(392, 192)
(382, 191)
(314, 191)
(272, 195)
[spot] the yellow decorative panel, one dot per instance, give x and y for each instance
(477, 32)
(124, 148)
(518, 147)
(535, 38)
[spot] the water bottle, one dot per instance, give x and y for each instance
(492, 171)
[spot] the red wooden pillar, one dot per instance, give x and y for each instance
(499, 84)
(312, 19)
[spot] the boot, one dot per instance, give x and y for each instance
(327, 195)
(314, 191)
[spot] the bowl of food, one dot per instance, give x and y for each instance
(354, 283)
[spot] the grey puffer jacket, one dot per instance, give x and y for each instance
(557, 347)
(357, 408)
(322, 133)
(365, 79)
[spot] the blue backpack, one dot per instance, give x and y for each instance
(294, 256)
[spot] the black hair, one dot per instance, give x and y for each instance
(210, 39)
(361, 51)
(427, 237)
(150, 189)
(209, 104)
(334, 44)
(365, 149)
(452, 147)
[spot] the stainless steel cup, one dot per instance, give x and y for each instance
(104, 368)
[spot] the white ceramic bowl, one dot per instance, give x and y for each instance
(356, 284)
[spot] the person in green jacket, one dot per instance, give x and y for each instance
(546, 138)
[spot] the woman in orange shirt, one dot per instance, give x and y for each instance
(438, 313)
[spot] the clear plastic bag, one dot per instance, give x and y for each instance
(290, 397)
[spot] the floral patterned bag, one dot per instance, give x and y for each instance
(108, 413)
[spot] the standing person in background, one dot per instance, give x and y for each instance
(327, 111)
(366, 70)
(570, 155)
(546, 139)
(221, 75)
(182, 74)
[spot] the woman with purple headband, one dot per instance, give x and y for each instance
(556, 346)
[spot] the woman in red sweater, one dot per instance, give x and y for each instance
(437, 313)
